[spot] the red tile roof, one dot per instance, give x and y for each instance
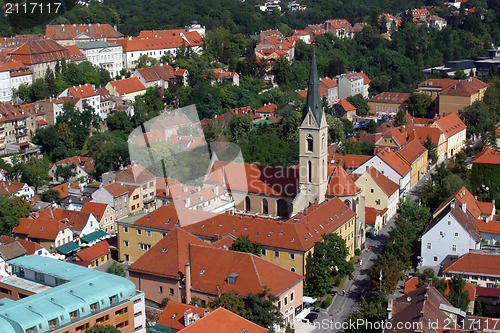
(346, 105)
(39, 229)
(390, 97)
(268, 108)
(75, 220)
(75, 53)
(327, 83)
(372, 213)
(8, 187)
(394, 161)
(83, 91)
(224, 243)
(399, 134)
(487, 156)
(136, 174)
(29, 246)
(340, 184)
(173, 314)
(411, 284)
(422, 132)
(17, 68)
(474, 263)
(39, 51)
(462, 218)
(412, 151)
(63, 189)
(115, 189)
(473, 206)
(387, 185)
(172, 251)
(159, 43)
(437, 83)
(97, 31)
(94, 252)
(491, 227)
(348, 161)
(488, 292)
(451, 124)
(467, 87)
(87, 163)
(95, 208)
(471, 288)
(225, 321)
(127, 86)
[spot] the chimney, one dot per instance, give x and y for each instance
(187, 271)
(452, 204)
(389, 308)
(188, 201)
(216, 190)
(464, 206)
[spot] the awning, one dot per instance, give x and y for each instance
(70, 247)
(99, 234)
(307, 299)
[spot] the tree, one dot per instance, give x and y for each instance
(65, 171)
(102, 329)
(328, 264)
(400, 119)
(116, 270)
(419, 105)
(35, 172)
(478, 118)
(231, 301)
(11, 210)
(196, 301)
(458, 297)
(238, 127)
(371, 127)
(120, 121)
(335, 129)
(244, 244)
(366, 313)
(359, 103)
(164, 302)
(261, 309)
(50, 196)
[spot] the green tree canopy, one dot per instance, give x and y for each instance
(116, 270)
(11, 210)
(50, 196)
(244, 244)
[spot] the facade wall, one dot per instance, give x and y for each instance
(109, 58)
(132, 244)
(108, 220)
(156, 288)
(135, 201)
(386, 107)
(386, 170)
(442, 238)
(454, 103)
(5, 86)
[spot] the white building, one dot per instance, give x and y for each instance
(105, 55)
(19, 74)
(392, 166)
(88, 95)
(5, 87)
(352, 84)
(449, 235)
(17, 189)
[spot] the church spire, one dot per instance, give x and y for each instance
(313, 102)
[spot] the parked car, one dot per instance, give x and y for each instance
(312, 316)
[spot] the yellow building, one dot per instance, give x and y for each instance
(103, 213)
(460, 95)
(415, 155)
(455, 131)
(127, 89)
(433, 87)
(438, 138)
(134, 199)
(388, 102)
(288, 244)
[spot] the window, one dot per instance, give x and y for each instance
(456, 234)
(454, 248)
(144, 247)
(449, 222)
(139, 231)
(121, 311)
(94, 306)
(309, 171)
(276, 254)
(127, 257)
(53, 323)
(148, 233)
(137, 314)
(292, 256)
(145, 186)
(82, 328)
(113, 299)
(372, 190)
(263, 252)
(161, 290)
(120, 325)
(377, 202)
(429, 246)
(125, 243)
(171, 291)
(31, 329)
(310, 143)
(291, 296)
(151, 184)
(292, 269)
(279, 304)
(286, 301)
(435, 259)
(39, 277)
(125, 229)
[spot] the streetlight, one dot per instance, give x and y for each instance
(380, 279)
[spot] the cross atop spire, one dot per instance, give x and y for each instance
(313, 102)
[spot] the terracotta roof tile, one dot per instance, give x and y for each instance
(465, 220)
(465, 87)
(12, 250)
(136, 174)
(372, 213)
(473, 207)
(39, 51)
(348, 161)
(422, 132)
(268, 108)
(95, 208)
(63, 189)
(225, 321)
(115, 189)
(412, 151)
(394, 161)
(94, 252)
(341, 184)
(173, 314)
(487, 156)
(97, 31)
(437, 83)
(75, 220)
(387, 185)
(390, 97)
(159, 43)
(491, 227)
(129, 85)
(450, 124)
(474, 263)
(87, 163)
(40, 228)
(346, 105)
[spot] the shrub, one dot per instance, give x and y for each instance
(357, 252)
(327, 302)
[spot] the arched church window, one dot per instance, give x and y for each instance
(247, 204)
(265, 207)
(309, 171)
(310, 143)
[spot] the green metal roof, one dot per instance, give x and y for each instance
(93, 236)
(94, 45)
(313, 102)
(70, 247)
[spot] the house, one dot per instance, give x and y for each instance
(115, 195)
(272, 47)
(455, 131)
(96, 254)
(127, 89)
(49, 233)
(478, 210)
(84, 167)
(416, 156)
(156, 47)
(19, 74)
(67, 190)
(433, 87)
(395, 138)
(40, 55)
(477, 267)
(67, 297)
(176, 316)
(379, 192)
(332, 90)
(103, 55)
(450, 234)
(138, 176)
(461, 94)
(438, 139)
(349, 162)
(104, 214)
(374, 219)
(220, 75)
(225, 321)
(15, 188)
(14, 122)
(208, 272)
(340, 28)
(11, 248)
(81, 223)
(163, 76)
(392, 166)
(77, 33)
(53, 107)
(353, 84)
(107, 102)
(267, 110)
(345, 109)
(88, 95)
(389, 102)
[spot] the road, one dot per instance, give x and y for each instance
(345, 302)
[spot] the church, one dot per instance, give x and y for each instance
(282, 193)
